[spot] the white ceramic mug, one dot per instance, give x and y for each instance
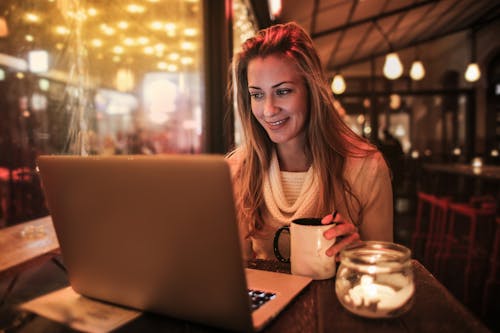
(308, 248)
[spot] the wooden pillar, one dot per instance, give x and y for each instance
(217, 24)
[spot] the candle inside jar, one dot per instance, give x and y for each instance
(377, 297)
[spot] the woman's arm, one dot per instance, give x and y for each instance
(377, 201)
(373, 187)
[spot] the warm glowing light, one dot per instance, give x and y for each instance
(44, 84)
(494, 153)
(59, 46)
(118, 49)
(400, 131)
(2, 74)
(415, 154)
(129, 41)
(92, 11)
(367, 103)
(96, 42)
(338, 84)
(143, 40)
(477, 162)
(170, 28)
(190, 32)
(124, 80)
(187, 60)
(107, 30)
(20, 75)
(160, 47)
(79, 15)
(135, 9)
(473, 73)
(149, 50)
(38, 102)
(123, 25)
(157, 25)
(4, 30)
(38, 61)
(159, 98)
(162, 65)
(188, 46)
(172, 68)
(32, 18)
(62, 30)
(457, 151)
(174, 56)
(394, 101)
(116, 58)
(274, 8)
(29, 38)
(417, 70)
(393, 68)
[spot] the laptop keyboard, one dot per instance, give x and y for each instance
(259, 298)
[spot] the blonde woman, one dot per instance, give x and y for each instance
(298, 158)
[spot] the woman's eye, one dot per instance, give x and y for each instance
(256, 95)
(283, 91)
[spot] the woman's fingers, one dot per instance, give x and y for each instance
(327, 219)
(344, 232)
(340, 229)
(341, 243)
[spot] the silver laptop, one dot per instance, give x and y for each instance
(159, 233)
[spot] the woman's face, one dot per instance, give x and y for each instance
(278, 97)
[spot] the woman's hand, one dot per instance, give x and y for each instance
(345, 232)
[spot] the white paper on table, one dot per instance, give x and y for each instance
(79, 312)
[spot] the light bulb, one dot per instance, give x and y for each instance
(473, 73)
(274, 8)
(392, 66)
(417, 71)
(338, 84)
(4, 30)
(38, 61)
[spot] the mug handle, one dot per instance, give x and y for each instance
(275, 244)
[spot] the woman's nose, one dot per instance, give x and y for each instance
(270, 107)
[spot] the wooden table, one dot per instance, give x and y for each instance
(316, 309)
(486, 172)
(23, 246)
(460, 181)
(25, 243)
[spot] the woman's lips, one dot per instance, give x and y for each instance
(276, 124)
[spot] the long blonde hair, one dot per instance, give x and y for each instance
(329, 139)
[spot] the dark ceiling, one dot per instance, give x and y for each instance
(348, 32)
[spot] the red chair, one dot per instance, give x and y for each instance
(436, 231)
(494, 272)
(430, 225)
(463, 245)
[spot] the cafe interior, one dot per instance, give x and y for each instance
(420, 79)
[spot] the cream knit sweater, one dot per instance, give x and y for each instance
(290, 195)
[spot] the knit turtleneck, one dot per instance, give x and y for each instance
(300, 187)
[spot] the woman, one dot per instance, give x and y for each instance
(298, 158)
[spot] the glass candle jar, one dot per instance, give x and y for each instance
(375, 279)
